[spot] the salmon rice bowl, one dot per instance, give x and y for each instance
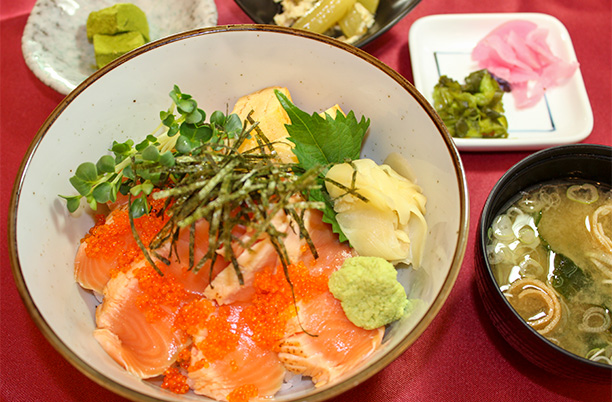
(241, 254)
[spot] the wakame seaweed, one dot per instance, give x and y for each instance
(567, 277)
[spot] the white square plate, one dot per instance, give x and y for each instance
(442, 45)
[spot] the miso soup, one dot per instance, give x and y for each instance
(551, 254)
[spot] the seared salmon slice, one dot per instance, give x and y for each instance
(183, 268)
(110, 247)
(226, 359)
(226, 287)
(333, 345)
(331, 252)
(135, 322)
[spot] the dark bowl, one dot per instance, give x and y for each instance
(388, 14)
(582, 161)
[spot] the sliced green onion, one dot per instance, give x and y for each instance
(595, 319)
(502, 228)
(498, 253)
(583, 193)
(530, 267)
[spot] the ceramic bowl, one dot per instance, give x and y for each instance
(581, 161)
(54, 42)
(217, 66)
(388, 14)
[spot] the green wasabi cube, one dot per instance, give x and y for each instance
(108, 47)
(369, 292)
(119, 18)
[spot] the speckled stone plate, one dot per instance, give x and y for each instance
(55, 45)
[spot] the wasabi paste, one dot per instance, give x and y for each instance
(369, 292)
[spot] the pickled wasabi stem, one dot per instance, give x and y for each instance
(324, 15)
(471, 110)
(583, 193)
(356, 21)
(370, 5)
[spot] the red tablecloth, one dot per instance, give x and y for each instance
(460, 357)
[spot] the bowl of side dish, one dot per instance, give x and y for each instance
(385, 15)
(217, 66)
(545, 259)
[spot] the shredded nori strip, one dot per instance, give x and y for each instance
(232, 189)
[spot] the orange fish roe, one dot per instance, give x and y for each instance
(175, 381)
(184, 357)
(221, 338)
(305, 285)
(158, 293)
(273, 303)
(193, 316)
(243, 393)
(200, 364)
(202, 316)
(112, 239)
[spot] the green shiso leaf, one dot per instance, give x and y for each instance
(324, 142)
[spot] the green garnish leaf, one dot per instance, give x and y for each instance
(167, 118)
(167, 159)
(128, 172)
(195, 117)
(196, 133)
(102, 192)
(122, 149)
(187, 106)
(87, 172)
(93, 204)
(145, 143)
(72, 202)
(323, 141)
(146, 188)
(139, 207)
(218, 118)
(184, 145)
(81, 186)
(150, 153)
(232, 125)
(173, 130)
(106, 164)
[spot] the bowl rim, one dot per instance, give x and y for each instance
(359, 43)
(324, 393)
(557, 152)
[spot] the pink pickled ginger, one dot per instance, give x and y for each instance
(517, 52)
